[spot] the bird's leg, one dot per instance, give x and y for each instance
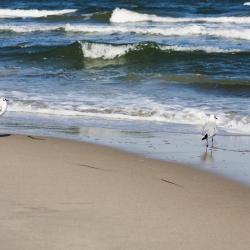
(212, 141)
(207, 142)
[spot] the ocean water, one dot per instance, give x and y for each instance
(144, 73)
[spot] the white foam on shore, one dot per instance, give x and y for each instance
(126, 16)
(22, 13)
(134, 109)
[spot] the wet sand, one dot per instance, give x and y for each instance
(61, 194)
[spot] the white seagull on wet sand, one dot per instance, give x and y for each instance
(3, 105)
(209, 129)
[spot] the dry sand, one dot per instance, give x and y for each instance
(59, 194)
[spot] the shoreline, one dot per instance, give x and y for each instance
(228, 158)
(64, 194)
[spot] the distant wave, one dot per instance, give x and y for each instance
(181, 31)
(247, 4)
(29, 28)
(22, 13)
(102, 16)
(108, 51)
(198, 30)
(125, 16)
(71, 53)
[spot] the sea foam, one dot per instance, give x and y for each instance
(186, 30)
(137, 108)
(189, 30)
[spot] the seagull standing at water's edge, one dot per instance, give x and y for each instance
(3, 105)
(209, 129)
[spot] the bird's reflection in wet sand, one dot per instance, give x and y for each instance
(207, 156)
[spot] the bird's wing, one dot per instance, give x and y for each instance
(209, 128)
(204, 129)
(214, 130)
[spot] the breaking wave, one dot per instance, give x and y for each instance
(22, 13)
(190, 30)
(164, 31)
(111, 51)
(137, 109)
(125, 16)
(108, 51)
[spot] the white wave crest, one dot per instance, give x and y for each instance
(189, 30)
(164, 31)
(28, 28)
(150, 111)
(105, 51)
(21, 13)
(207, 49)
(125, 16)
(247, 4)
(111, 51)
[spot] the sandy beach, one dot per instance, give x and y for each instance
(61, 194)
(130, 88)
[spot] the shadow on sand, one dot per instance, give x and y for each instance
(5, 135)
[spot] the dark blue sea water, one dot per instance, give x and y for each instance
(136, 66)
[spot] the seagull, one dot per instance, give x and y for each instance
(3, 105)
(209, 129)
